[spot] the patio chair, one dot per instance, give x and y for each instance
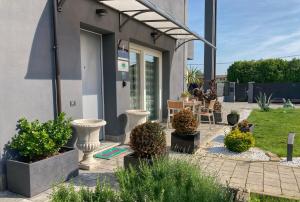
(173, 107)
(207, 112)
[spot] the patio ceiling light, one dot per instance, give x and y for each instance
(153, 16)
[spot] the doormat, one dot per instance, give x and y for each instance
(106, 145)
(108, 154)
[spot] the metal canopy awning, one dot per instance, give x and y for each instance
(153, 16)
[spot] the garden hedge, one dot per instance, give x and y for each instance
(265, 71)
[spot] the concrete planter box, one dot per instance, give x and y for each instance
(185, 143)
(30, 179)
(217, 116)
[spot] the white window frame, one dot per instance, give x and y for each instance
(148, 51)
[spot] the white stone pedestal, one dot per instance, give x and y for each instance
(87, 131)
(134, 118)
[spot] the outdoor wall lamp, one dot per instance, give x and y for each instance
(154, 34)
(101, 12)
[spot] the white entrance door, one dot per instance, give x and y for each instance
(91, 75)
(145, 80)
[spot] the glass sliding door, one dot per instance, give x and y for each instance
(145, 80)
(152, 86)
(135, 80)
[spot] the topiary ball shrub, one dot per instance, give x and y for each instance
(184, 122)
(148, 140)
(238, 141)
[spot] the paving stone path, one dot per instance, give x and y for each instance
(260, 177)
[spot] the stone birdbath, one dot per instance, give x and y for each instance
(87, 131)
(135, 117)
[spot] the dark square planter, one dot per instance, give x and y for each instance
(217, 117)
(134, 161)
(185, 143)
(30, 179)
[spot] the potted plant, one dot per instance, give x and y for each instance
(185, 96)
(245, 126)
(193, 78)
(41, 158)
(218, 112)
(233, 118)
(147, 141)
(185, 138)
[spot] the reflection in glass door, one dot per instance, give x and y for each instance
(135, 80)
(152, 86)
(145, 80)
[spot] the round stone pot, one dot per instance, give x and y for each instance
(185, 99)
(87, 131)
(134, 118)
(233, 119)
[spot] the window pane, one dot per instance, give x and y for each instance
(135, 81)
(152, 85)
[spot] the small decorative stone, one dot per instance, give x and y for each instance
(273, 157)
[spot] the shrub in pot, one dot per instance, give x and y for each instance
(245, 126)
(185, 96)
(41, 158)
(148, 141)
(185, 138)
(217, 113)
(238, 141)
(233, 118)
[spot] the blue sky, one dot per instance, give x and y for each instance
(249, 29)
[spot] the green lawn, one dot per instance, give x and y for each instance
(263, 198)
(272, 128)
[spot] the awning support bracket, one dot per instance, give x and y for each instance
(122, 24)
(165, 32)
(60, 4)
(184, 42)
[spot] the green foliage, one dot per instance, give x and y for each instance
(148, 140)
(265, 71)
(272, 129)
(102, 193)
(238, 141)
(184, 122)
(164, 181)
(194, 76)
(264, 101)
(185, 94)
(36, 140)
(234, 112)
(287, 104)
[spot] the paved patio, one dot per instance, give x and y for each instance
(260, 177)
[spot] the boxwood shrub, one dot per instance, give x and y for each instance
(238, 141)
